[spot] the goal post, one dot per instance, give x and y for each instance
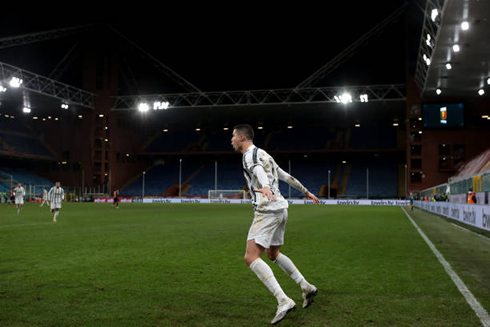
(227, 194)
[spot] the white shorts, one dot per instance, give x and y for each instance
(19, 201)
(55, 205)
(268, 228)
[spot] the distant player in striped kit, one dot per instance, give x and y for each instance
(44, 197)
(55, 196)
(20, 193)
(267, 231)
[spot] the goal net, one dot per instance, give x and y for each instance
(226, 194)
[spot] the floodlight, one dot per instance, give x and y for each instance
(357, 125)
(433, 14)
(449, 66)
(143, 107)
(3, 88)
(364, 98)
(15, 82)
(456, 48)
(64, 106)
(465, 26)
(438, 91)
(160, 105)
(26, 110)
(488, 81)
(481, 91)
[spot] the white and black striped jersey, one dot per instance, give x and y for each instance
(56, 194)
(253, 157)
(20, 192)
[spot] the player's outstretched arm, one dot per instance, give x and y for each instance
(285, 177)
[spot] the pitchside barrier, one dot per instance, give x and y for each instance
(471, 214)
(291, 201)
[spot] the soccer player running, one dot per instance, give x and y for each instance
(411, 201)
(116, 199)
(55, 196)
(19, 192)
(11, 200)
(44, 197)
(267, 231)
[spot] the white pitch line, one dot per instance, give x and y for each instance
(21, 225)
(470, 298)
(465, 229)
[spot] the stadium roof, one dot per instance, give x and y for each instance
(253, 47)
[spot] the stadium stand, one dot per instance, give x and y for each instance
(160, 178)
(300, 138)
(373, 137)
(230, 177)
(25, 177)
(312, 175)
(382, 180)
(12, 125)
(26, 145)
(218, 141)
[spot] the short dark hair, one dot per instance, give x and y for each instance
(245, 130)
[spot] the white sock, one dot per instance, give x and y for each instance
(265, 274)
(289, 268)
(56, 214)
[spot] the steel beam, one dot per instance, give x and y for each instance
(394, 92)
(43, 85)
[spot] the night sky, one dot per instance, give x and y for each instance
(241, 47)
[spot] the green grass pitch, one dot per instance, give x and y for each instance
(182, 265)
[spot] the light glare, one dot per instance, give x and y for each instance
(143, 107)
(15, 82)
(433, 14)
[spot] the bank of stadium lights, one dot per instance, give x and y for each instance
(449, 66)
(143, 107)
(438, 91)
(35, 117)
(26, 110)
(15, 82)
(160, 105)
(2, 88)
(481, 91)
(364, 98)
(456, 48)
(64, 106)
(433, 14)
(465, 26)
(488, 81)
(429, 41)
(426, 59)
(343, 98)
